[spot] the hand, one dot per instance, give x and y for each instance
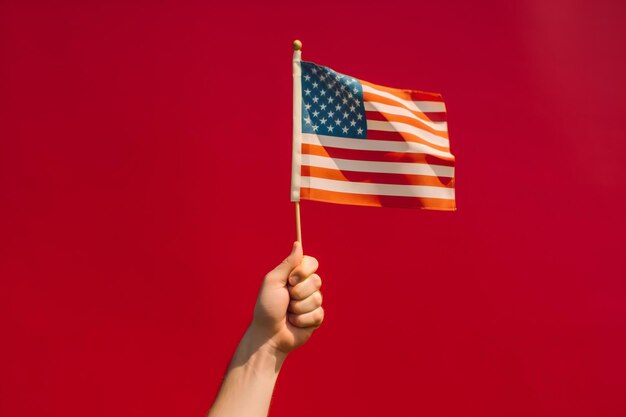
(289, 307)
(288, 310)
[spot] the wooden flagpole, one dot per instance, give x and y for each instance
(297, 132)
(298, 228)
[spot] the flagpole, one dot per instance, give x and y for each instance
(298, 228)
(297, 134)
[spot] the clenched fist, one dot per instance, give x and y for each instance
(288, 310)
(289, 307)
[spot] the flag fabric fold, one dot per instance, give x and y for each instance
(364, 144)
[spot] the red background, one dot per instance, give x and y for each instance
(144, 185)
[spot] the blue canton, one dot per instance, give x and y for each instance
(332, 103)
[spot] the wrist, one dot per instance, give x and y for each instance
(263, 343)
(256, 353)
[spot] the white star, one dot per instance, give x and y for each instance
(322, 93)
(359, 116)
(359, 131)
(322, 77)
(352, 109)
(337, 93)
(350, 95)
(307, 120)
(307, 92)
(356, 90)
(314, 70)
(352, 122)
(344, 100)
(315, 127)
(337, 107)
(307, 106)
(307, 77)
(323, 107)
(315, 113)
(330, 99)
(338, 122)
(344, 129)
(331, 113)
(330, 128)
(315, 99)
(323, 121)
(345, 114)
(315, 84)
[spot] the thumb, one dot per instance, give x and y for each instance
(280, 274)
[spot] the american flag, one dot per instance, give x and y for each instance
(365, 144)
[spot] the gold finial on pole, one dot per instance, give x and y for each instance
(297, 45)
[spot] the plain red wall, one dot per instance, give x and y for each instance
(144, 192)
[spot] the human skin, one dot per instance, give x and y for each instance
(287, 312)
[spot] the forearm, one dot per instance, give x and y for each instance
(249, 383)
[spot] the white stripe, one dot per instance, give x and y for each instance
(373, 145)
(407, 128)
(421, 106)
(378, 189)
(407, 168)
(402, 111)
(431, 106)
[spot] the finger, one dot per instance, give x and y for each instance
(311, 319)
(305, 288)
(308, 266)
(280, 274)
(307, 305)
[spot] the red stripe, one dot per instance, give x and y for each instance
(377, 156)
(402, 137)
(376, 177)
(428, 116)
(437, 116)
(413, 95)
(375, 98)
(412, 121)
(376, 115)
(382, 135)
(376, 200)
